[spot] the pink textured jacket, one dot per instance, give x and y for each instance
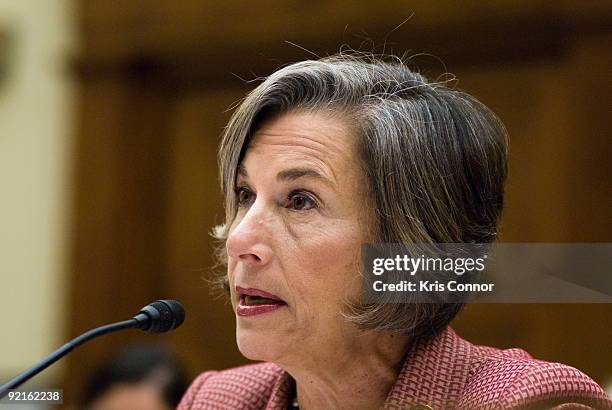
(446, 372)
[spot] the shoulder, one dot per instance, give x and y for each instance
(245, 387)
(512, 379)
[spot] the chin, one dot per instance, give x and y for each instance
(255, 345)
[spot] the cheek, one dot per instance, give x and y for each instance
(230, 278)
(329, 266)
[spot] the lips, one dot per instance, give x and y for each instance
(252, 301)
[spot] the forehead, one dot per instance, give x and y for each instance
(309, 138)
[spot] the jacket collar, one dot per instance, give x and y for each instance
(433, 375)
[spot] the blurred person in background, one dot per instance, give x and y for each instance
(142, 377)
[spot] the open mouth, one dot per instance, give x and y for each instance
(256, 301)
(251, 300)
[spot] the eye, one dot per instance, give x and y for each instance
(301, 201)
(243, 195)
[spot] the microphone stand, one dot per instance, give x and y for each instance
(157, 317)
(64, 350)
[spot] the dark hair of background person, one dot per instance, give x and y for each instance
(435, 159)
(138, 364)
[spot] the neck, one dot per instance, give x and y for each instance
(357, 375)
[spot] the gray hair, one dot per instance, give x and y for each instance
(435, 161)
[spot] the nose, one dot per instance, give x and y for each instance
(248, 241)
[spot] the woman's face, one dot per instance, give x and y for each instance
(297, 236)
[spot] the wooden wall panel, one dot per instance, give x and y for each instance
(120, 209)
(155, 83)
(195, 206)
(558, 191)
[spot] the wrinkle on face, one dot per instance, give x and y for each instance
(315, 254)
(311, 143)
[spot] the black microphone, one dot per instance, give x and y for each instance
(157, 317)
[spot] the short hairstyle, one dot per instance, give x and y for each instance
(435, 161)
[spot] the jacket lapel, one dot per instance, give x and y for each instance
(434, 374)
(282, 392)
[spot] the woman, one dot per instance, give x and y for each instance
(319, 159)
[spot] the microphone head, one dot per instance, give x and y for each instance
(160, 316)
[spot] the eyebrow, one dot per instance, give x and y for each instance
(292, 174)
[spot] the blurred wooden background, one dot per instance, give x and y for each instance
(156, 79)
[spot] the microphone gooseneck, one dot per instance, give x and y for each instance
(157, 317)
